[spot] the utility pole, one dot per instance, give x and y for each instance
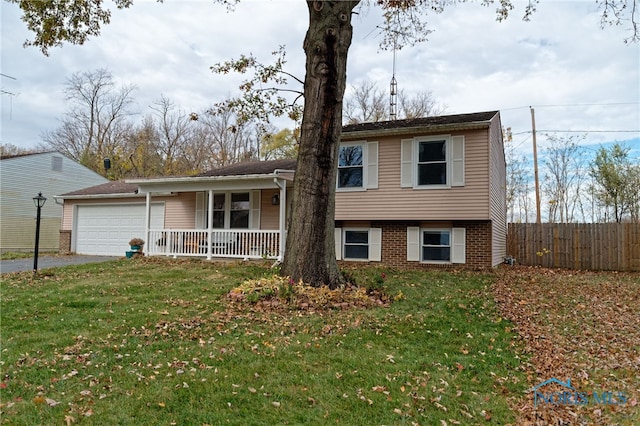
(535, 165)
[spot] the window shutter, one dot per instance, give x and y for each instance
(406, 163)
(200, 210)
(413, 244)
(338, 243)
(458, 245)
(255, 210)
(375, 244)
(372, 165)
(457, 161)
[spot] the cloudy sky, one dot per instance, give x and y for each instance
(578, 77)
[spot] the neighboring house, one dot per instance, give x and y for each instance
(428, 191)
(22, 177)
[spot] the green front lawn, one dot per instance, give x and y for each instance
(156, 341)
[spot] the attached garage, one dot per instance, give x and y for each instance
(105, 229)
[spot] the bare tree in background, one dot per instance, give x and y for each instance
(518, 178)
(420, 104)
(367, 103)
(226, 138)
(563, 180)
(97, 120)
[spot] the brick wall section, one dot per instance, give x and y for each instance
(394, 246)
(65, 242)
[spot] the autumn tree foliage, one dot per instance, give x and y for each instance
(310, 252)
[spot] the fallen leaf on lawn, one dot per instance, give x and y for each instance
(440, 406)
(443, 423)
(69, 419)
(252, 390)
(162, 404)
(275, 404)
(397, 411)
(379, 388)
(51, 402)
(38, 399)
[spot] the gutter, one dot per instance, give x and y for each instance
(357, 134)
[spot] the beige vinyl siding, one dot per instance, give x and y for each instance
(498, 191)
(391, 202)
(269, 214)
(179, 211)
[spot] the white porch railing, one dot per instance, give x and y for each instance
(237, 243)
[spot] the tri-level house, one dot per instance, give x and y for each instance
(418, 192)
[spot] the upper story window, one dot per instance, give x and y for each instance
(357, 166)
(351, 166)
(432, 162)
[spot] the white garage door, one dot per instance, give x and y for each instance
(107, 229)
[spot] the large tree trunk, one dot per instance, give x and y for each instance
(310, 251)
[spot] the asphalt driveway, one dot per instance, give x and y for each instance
(44, 262)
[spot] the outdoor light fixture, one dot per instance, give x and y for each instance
(39, 202)
(275, 200)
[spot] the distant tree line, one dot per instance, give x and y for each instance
(573, 186)
(100, 122)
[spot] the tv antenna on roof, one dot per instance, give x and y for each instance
(10, 94)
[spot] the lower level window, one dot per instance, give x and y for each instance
(436, 246)
(356, 244)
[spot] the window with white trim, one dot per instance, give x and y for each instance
(239, 212)
(358, 244)
(432, 162)
(435, 245)
(357, 166)
(231, 210)
(351, 166)
(218, 210)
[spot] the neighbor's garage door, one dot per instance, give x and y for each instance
(107, 229)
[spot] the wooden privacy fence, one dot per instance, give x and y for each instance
(595, 246)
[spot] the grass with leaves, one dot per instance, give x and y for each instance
(159, 342)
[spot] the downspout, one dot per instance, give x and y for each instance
(283, 211)
(147, 224)
(210, 226)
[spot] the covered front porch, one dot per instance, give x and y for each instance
(210, 243)
(235, 212)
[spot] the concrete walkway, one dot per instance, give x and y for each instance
(44, 262)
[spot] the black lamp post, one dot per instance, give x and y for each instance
(39, 202)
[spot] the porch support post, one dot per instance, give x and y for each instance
(210, 226)
(147, 224)
(283, 212)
